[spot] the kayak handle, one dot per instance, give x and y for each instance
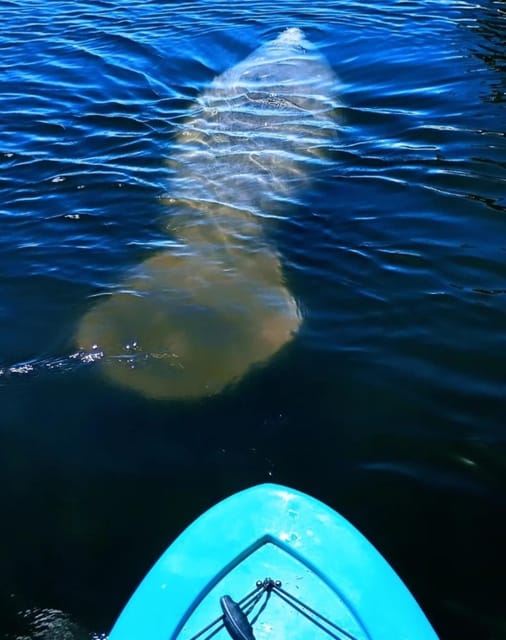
(235, 620)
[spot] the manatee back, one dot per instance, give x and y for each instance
(289, 68)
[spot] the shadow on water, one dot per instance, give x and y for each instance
(490, 26)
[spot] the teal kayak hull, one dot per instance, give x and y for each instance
(270, 531)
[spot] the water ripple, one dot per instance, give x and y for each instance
(395, 254)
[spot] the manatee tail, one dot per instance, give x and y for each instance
(188, 325)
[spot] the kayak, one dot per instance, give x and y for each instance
(271, 563)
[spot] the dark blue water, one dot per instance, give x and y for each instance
(390, 402)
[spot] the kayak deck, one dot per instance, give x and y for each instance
(276, 618)
(273, 532)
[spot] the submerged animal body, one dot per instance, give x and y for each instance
(193, 319)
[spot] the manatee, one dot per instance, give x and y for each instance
(195, 318)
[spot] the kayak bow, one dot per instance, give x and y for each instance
(324, 579)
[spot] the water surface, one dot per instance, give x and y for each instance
(388, 404)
